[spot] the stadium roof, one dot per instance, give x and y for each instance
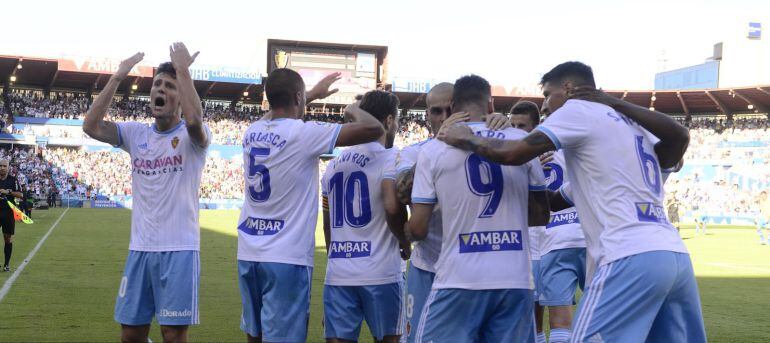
(64, 74)
(728, 101)
(82, 75)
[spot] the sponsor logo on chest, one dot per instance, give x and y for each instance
(350, 249)
(261, 227)
(563, 219)
(486, 241)
(650, 212)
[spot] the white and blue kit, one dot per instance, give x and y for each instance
(363, 273)
(563, 247)
(163, 266)
(276, 229)
(422, 270)
(644, 288)
(483, 284)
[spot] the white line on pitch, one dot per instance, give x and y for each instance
(8, 283)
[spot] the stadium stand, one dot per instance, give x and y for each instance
(726, 165)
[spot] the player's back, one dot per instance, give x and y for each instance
(362, 250)
(617, 180)
(485, 235)
(280, 210)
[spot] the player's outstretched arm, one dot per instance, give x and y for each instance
(364, 128)
(190, 101)
(508, 152)
(395, 211)
(417, 227)
(674, 137)
(557, 202)
(322, 88)
(539, 208)
(94, 124)
(326, 221)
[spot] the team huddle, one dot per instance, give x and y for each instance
(465, 237)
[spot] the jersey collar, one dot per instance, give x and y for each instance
(155, 128)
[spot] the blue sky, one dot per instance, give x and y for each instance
(508, 42)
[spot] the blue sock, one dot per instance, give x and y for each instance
(540, 337)
(559, 336)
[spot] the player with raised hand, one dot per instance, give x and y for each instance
(483, 283)
(644, 288)
(363, 273)
(276, 239)
(163, 265)
(421, 270)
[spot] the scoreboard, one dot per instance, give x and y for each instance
(362, 67)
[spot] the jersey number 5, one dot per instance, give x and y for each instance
(485, 179)
(258, 175)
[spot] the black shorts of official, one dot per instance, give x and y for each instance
(7, 222)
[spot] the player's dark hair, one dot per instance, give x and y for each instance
(577, 72)
(380, 104)
(471, 89)
(166, 68)
(527, 108)
(282, 86)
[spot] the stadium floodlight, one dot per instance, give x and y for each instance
(134, 87)
(653, 98)
(751, 107)
(245, 93)
(652, 108)
(18, 66)
(13, 78)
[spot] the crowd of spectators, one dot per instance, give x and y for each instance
(719, 151)
(729, 165)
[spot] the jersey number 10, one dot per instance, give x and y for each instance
(343, 195)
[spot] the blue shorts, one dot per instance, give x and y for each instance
(418, 285)
(275, 299)
(536, 278)
(561, 272)
(649, 297)
(345, 307)
(161, 284)
(762, 223)
(463, 315)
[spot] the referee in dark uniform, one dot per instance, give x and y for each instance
(9, 189)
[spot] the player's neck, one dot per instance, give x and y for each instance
(475, 113)
(278, 113)
(164, 124)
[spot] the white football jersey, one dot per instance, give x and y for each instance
(424, 253)
(362, 250)
(535, 241)
(616, 180)
(280, 210)
(563, 230)
(485, 239)
(166, 169)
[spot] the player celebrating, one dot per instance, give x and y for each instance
(644, 287)
(277, 223)
(525, 116)
(421, 270)
(483, 283)
(363, 274)
(9, 189)
(163, 264)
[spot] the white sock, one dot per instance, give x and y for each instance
(540, 337)
(559, 336)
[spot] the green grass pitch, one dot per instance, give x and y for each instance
(67, 292)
